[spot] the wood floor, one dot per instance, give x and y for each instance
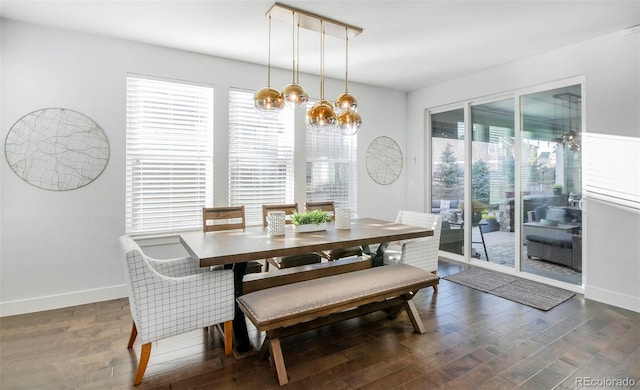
(473, 340)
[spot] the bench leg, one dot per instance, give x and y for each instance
(264, 349)
(414, 316)
(277, 361)
(435, 286)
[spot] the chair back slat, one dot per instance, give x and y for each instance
(222, 218)
(324, 205)
(288, 208)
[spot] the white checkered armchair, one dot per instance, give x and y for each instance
(170, 297)
(419, 252)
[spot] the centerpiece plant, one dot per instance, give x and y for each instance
(314, 217)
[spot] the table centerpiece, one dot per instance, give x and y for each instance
(310, 221)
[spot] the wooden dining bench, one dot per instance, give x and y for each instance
(294, 308)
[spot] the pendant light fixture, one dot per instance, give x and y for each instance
(348, 120)
(268, 101)
(294, 95)
(321, 116)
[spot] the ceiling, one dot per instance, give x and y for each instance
(405, 45)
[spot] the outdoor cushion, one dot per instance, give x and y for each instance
(560, 240)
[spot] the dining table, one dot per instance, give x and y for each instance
(234, 248)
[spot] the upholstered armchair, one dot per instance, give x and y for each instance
(171, 297)
(419, 252)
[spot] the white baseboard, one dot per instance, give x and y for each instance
(51, 302)
(613, 298)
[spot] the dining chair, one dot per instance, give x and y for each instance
(171, 297)
(216, 219)
(293, 260)
(334, 254)
(419, 252)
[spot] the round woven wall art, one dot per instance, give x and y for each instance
(57, 149)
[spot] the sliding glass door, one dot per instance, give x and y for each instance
(493, 182)
(551, 183)
(521, 173)
(447, 176)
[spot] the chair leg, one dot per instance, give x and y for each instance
(228, 337)
(145, 352)
(132, 337)
(435, 286)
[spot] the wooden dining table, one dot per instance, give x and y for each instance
(234, 249)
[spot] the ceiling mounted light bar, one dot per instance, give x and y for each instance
(313, 22)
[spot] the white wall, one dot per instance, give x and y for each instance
(60, 248)
(611, 68)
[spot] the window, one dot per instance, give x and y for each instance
(260, 156)
(332, 167)
(169, 158)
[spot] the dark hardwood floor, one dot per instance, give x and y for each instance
(473, 341)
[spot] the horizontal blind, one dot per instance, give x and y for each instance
(169, 159)
(332, 161)
(260, 157)
(612, 168)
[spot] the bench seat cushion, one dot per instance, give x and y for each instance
(272, 304)
(560, 240)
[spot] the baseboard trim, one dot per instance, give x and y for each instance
(613, 298)
(50, 302)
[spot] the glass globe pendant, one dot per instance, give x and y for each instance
(348, 121)
(321, 116)
(268, 101)
(293, 94)
(346, 101)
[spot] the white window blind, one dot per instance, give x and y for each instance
(260, 157)
(169, 159)
(332, 172)
(612, 168)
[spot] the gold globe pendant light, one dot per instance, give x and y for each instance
(268, 101)
(321, 116)
(348, 121)
(294, 95)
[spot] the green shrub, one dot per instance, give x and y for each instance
(310, 217)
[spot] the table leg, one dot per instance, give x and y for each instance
(377, 258)
(241, 341)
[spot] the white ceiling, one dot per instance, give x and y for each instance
(405, 45)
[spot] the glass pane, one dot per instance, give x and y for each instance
(447, 184)
(492, 182)
(551, 184)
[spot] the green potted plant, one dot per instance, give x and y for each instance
(310, 221)
(477, 208)
(492, 223)
(557, 189)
